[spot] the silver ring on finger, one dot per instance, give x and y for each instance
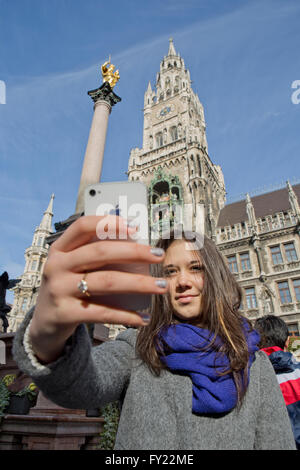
(83, 286)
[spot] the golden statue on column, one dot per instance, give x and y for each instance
(104, 99)
(108, 73)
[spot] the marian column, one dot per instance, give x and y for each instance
(104, 98)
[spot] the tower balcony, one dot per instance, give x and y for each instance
(36, 250)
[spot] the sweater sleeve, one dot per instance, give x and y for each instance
(83, 377)
(273, 431)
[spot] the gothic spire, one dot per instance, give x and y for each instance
(251, 213)
(171, 48)
(293, 200)
(47, 217)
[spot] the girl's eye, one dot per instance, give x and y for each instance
(197, 268)
(169, 272)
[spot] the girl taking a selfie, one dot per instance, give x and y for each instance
(190, 376)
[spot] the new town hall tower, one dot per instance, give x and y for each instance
(174, 161)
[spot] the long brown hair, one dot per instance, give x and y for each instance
(221, 298)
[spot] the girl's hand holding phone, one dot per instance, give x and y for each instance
(79, 256)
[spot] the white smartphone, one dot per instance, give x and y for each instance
(128, 200)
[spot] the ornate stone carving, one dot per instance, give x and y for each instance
(104, 93)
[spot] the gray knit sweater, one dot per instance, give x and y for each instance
(157, 411)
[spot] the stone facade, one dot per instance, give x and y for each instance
(260, 241)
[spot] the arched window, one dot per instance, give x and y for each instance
(192, 165)
(24, 304)
(40, 241)
(174, 133)
(33, 265)
(151, 141)
(159, 139)
(168, 86)
(168, 82)
(199, 164)
(165, 195)
(161, 194)
(165, 138)
(179, 131)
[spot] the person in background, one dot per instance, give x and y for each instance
(274, 335)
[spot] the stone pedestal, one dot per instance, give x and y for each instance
(50, 427)
(8, 366)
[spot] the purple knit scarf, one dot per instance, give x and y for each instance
(183, 354)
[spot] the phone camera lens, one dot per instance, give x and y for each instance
(92, 192)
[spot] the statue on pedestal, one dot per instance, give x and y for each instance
(105, 92)
(108, 73)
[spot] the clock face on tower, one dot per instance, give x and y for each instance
(164, 111)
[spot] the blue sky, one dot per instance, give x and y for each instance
(243, 56)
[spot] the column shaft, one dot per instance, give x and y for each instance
(93, 159)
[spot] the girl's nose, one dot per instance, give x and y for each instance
(184, 280)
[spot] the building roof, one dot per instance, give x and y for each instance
(264, 204)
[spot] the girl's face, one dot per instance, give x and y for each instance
(184, 272)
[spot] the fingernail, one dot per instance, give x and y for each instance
(161, 283)
(157, 251)
(145, 317)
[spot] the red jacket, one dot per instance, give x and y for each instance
(287, 370)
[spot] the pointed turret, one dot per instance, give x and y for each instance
(47, 217)
(26, 291)
(148, 97)
(149, 89)
(251, 214)
(293, 201)
(171, 48)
